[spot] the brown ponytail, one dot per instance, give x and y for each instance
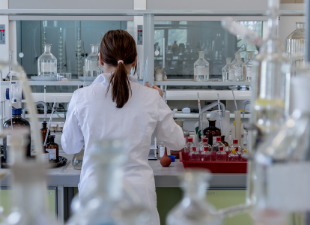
(118, 49)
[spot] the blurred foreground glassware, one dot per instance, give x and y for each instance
(29, 189)
(104, 202)
(193, 208)
(295, 44)
(281, 185)
(47, 62)
(91, 62)
(77, 160)
(201, 68)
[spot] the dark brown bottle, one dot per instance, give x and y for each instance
(44, 131)
(52, 148)
(211, 131)
(18, 122)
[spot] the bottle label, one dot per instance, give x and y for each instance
(206, 148)
(51, 153)
(8, 140)
(161, 151)
(202, 70)
(48, 67)
(288, 186)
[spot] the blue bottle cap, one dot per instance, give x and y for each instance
(172, 157)
(16, 111)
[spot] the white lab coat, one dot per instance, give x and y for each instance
(92, 115)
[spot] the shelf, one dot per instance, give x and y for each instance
(207, 95)
(132, 12)
(181, 115)
(52, 83)
(184, 82)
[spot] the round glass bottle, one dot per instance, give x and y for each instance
(91, 62)
(193, 208)
(211, 131)
(238, 67)
(201, 68)
(47, 62)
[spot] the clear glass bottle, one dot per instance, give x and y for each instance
(217, 144)
(244, 155)
(194, 154)
(47, 63)
(281, 161)
(237, 147)
(247, 66)
(105, 201)
(161, 149)
(205, 154)
(226, 148)
(295, 44)
(225, 70)
(212, 131)
(233, 156)
(91, 62)
(188, 146)
(221, 154)
(201, 68)
(238, 67)
(232, 70)
(193, 208)
(204, 143)
(77, 160)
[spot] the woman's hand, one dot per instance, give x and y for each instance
(156, 88)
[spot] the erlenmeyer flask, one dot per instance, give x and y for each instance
(193, 208)
(103, 202)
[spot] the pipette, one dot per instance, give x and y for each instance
(218, 105)
(234, 99)
(50, 121)
(200, 116)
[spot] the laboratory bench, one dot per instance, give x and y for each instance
(166, 180)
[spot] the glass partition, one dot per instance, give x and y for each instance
(70, 42)
(183, 39)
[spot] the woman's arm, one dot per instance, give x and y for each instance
(72, 140)
(167, 130)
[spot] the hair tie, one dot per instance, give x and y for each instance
(120, 61)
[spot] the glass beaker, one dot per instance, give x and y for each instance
(91, 62)
(77, 160)
(47, 62)
(201, 68)
(193, 208)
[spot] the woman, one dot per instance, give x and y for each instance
(117, 106)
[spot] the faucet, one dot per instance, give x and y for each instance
(244, 105)
(38, 103)
(213, 104)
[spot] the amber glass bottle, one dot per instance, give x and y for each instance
(44, 131)
(52, 148)
(17, 121)
(211, 131)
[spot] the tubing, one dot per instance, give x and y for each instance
(38, 103)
